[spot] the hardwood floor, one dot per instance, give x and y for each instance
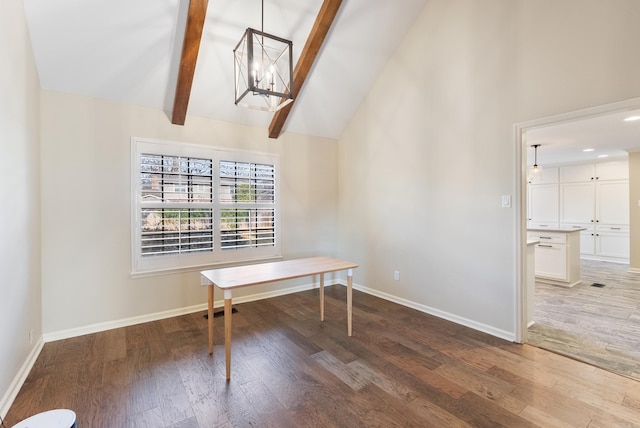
(400, 368)
(598, 325)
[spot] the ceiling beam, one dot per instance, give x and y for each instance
(190, 47)
(325, 18)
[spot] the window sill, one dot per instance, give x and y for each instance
(199, 268)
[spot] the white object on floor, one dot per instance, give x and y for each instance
(58, 418)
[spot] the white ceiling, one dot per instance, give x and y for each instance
(608, 134)
(129, 50)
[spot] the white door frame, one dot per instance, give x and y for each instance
(520, 130)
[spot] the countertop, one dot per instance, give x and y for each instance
(556, 229)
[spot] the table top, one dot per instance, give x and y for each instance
(241, 276)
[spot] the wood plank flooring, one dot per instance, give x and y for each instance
(600, 326)
(401, 368)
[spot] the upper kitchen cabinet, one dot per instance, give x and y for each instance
(612, 203)
(543, 205)
(612, 170)
(577, 203)
(577, 173)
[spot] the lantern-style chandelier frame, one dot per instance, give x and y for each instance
(263, 70)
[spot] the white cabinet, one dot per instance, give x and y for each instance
(577, 203)
(557, 256)
(611, 170)
(611, 241)
(612, 202)
(577, 173)
(593, 196)
(543, 204)
(587, 241)
(596, 197)
(551, 261)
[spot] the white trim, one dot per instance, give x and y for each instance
(521, 191)
(108, 325)
(634, 270)
(502, 334)
(21, 376)
(604, 259)
(520, 283)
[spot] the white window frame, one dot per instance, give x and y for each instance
(144, 265)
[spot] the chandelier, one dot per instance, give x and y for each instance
(263, 70)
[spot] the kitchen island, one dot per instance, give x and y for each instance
(557, 255)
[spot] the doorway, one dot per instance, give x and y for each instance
(524, 297)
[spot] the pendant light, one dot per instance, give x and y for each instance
(536, 168)
(263, 70)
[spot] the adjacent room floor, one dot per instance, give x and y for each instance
(598, 325)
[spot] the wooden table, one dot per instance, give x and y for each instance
(228, 279)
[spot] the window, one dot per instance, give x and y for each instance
(247, 194)
(196, 206)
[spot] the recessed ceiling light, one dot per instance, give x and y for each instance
(588, 150)
(603, 156)
(632, 118)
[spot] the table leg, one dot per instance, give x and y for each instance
(210, 319)
(227, 331)
(322, 297)
(349, 299)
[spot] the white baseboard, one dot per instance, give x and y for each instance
(108, 325)
(634, 270)
(618, 260)
(502, 334)
(18, 381)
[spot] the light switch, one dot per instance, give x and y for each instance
(506, 201)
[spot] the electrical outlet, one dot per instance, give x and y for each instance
(396, 275)
(31, 337)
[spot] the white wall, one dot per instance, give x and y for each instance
(20, 291)
(425, 160)
(86, 202)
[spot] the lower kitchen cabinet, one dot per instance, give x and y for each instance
(557, 255)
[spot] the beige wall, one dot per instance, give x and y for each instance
(86, 203)
(425, 160)
(20, 290)
(634, 210)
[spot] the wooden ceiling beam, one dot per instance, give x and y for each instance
(319, 31)
(190, 47)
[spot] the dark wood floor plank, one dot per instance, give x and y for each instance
(173, 400)
(115, 344)
(400, 368)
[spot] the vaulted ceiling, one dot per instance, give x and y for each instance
(130, 50)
